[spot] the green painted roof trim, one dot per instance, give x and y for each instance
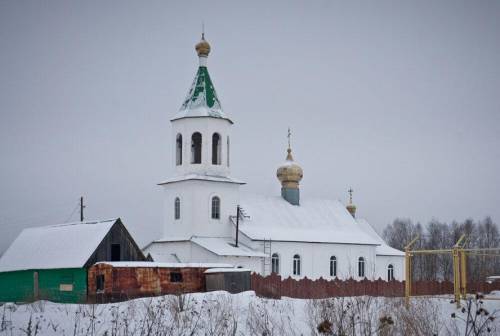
(201, 100)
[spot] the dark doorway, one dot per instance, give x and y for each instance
(115, 252)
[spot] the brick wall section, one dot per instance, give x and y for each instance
(274, 287)
(122, 283)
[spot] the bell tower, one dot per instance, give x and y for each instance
(202, 194)
(201, 129)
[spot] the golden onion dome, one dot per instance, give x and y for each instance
(202, 47)
(290, 173)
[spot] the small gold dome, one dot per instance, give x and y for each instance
(202, 47)
(290, 173)
(352, 209)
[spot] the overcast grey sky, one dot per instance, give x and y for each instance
(398, 100)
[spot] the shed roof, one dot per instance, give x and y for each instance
(55, 246)
(226, 270)
(144, 264)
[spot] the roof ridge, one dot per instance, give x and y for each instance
(92, 222)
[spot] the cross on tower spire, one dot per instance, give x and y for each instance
(350, 191)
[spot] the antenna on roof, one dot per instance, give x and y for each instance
(81, 208)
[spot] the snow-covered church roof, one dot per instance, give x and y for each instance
(315, 220)
(383, 249)
(55, 246)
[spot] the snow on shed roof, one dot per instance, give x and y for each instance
(165, 265)
(224, 247)
(226, 270)
(383, 248)
(55, 246)
(314, 220)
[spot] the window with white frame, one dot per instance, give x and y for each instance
(215, 207)
(333, 266)
(177, 208)
(390, 272)
(275, 263)
(296, 264)
(361, 267)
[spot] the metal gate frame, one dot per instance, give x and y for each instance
(459, 254)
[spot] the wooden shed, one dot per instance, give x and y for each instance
(233, 280)
(51, 262)
(118, 281)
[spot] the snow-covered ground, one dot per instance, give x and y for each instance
(220, 313)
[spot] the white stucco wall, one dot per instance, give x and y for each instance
(397, 261)
(315, 259)
(207, 127)
(196, 197)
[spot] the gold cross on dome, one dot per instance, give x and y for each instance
(289, 136)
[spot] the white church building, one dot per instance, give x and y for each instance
(284, 234)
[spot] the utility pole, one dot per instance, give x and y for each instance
(81, 209)
(237, 224)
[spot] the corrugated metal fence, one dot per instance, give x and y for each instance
(274, 286)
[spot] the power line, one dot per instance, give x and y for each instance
(72, 213)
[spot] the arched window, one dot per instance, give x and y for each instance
(361, 267)
(275, 263)
(178, 150)
(333, 266)
(228, 151)
(215, 207)
(216, 146)
(196, 148)
(177, 208)
(296, 264)
(390, 272)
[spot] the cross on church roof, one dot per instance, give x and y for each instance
(350, 195)
(289, 136)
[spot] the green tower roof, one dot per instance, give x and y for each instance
(201, 100)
